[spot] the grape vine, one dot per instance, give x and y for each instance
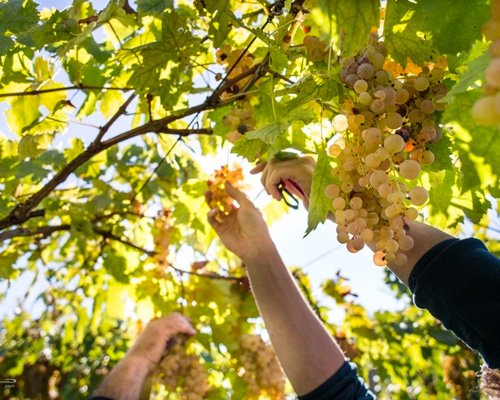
(261, 369)
(182, 372)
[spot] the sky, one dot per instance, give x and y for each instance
(318, 254)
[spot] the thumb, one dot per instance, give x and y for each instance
(238, 195)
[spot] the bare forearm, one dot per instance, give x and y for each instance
(125, 381)
(425, 238)
(307, 352)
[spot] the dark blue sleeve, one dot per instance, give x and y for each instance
(343, 385)
(458, 281)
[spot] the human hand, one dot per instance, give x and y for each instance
(243, 231)
(296, 174)
(152, 342)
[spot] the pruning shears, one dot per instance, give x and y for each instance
(287, 196)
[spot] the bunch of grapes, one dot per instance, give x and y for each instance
(162, 234)
(262, 371)
(218, 198)
(459, 374)
(179, 370)
(316, 49)
(229, 58)
(487, 109)
(386, 126)
(240, 120)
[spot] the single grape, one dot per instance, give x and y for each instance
(427, 158)
(360, 86)
(409, 169)
(421, 83)
(379, 259)
(366, 71)
(365, 98)
(373, 135)
(377, 106)
(418, 195)
(406, 243)
(394, 144)
(339, 203)
(339, 123)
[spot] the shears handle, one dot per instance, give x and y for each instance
(289, 199)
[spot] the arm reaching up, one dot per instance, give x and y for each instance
(307, 352)
(126, 379)
(458, 281)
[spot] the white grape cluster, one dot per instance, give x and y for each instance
(261, 369)
(162, 233)
(487, 109)
(385, 128)
(183, 373)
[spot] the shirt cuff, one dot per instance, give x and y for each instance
(345, 384)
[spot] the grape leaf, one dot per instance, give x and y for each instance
(319, 204)
(269, 133)
(417, 29)
(17, 16)
(146, 7)
(401, 28)
(354, 21)
(23, 112)
(484, 141)
(251, 149)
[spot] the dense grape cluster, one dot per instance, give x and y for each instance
(184, 373)
(162, 234)
(487, 109)
(235, 67)
(316, 49)
(460, 374)
(384, 131)
(261, 369)
(218, 198)
(239, 120)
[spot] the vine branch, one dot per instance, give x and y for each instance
(22, 212)
(61, 89)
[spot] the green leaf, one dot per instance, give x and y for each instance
(471, 71)
(319, 204)
(442, 152)
(482, 141)
(23, 112)
(33, 145)
(354, 21)
(417, 29)
(251, 149)
(269, 133)
(7, 261)
(17, 16)
(146, 7)
(222, 18)
(111, 102)
(441, 194)
(312, 87)
(115, 264)
(402, 32)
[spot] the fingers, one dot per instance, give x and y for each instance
(238, 195)
(258, 168)
(211, 216)
(299, 171)
(177, 323)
